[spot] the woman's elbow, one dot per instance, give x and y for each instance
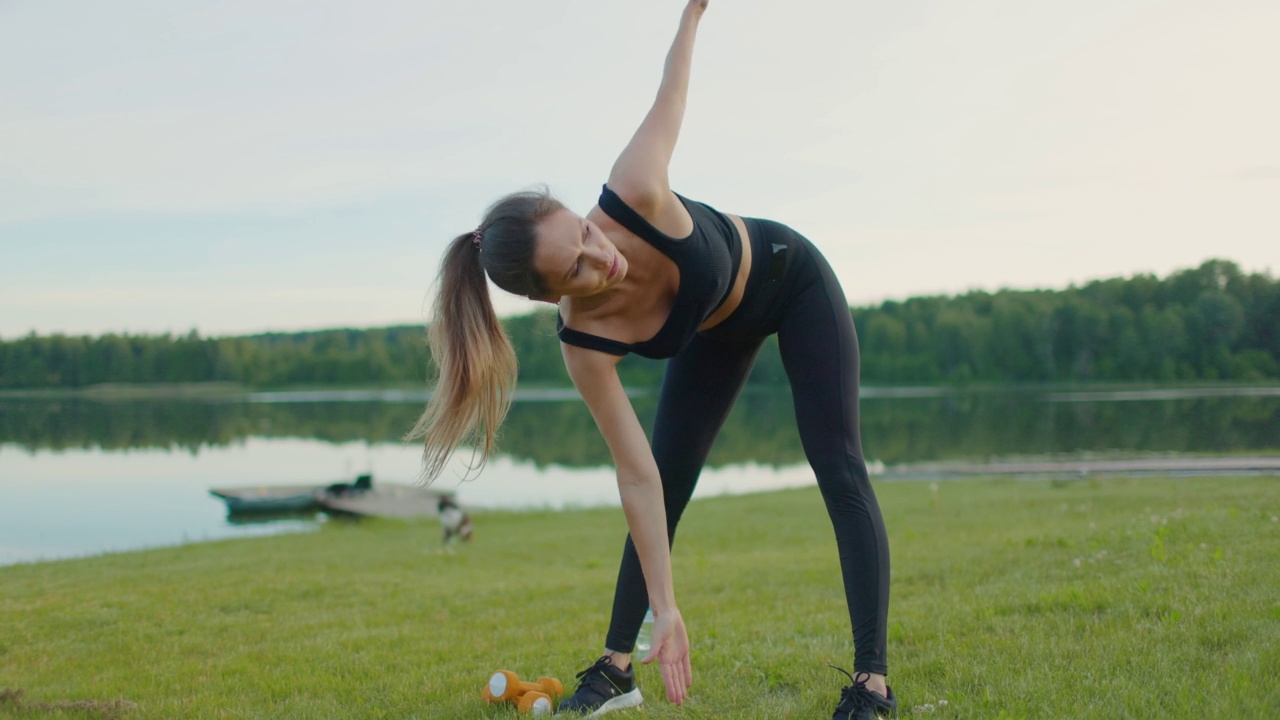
(637, 476)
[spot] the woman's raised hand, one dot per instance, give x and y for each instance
(698, 5)
(671, 649)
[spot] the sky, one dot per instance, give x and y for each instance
(272, 165)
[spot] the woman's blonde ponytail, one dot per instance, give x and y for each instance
(475, 364)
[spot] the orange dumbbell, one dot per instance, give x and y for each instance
(530, 697)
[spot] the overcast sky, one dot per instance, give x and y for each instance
(248, 165)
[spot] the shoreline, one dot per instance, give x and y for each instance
(1058, 474)
(1104, 391)
(1121, 466)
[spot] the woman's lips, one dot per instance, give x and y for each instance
(613, 269)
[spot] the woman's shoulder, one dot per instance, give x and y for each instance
(645, 213)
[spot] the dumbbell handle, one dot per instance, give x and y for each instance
(506, 685)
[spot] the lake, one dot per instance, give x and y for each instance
(82, 476)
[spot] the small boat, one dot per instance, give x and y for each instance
(288, 498)
(271, 499)
(359, 498)
(386, 500)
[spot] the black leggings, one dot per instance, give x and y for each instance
(793, 292)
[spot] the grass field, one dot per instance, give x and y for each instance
(1101, 598)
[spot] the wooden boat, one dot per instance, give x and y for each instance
(386, 500)
(359, 498)
(270, 499)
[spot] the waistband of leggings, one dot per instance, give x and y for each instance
(764, 240)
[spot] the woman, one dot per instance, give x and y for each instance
(650, 272)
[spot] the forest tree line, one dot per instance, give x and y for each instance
(1213, 322)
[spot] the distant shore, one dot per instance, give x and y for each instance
(1081, 392)
(1079, 469)
(127, 391)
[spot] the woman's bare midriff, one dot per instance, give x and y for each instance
(739, 283)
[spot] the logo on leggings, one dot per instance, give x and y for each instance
(779, 263)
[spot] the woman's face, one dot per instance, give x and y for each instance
(575, 258)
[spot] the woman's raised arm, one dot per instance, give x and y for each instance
(639, 175)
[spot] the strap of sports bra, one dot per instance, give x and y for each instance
(589, 341)
(624, 215)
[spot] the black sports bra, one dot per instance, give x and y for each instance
(707, 261)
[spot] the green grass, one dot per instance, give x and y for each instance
(1110, 598)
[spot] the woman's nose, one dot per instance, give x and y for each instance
(604, 259)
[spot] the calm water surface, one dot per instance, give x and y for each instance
(81, 477)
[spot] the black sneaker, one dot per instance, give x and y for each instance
(859, 703)
(602, 688)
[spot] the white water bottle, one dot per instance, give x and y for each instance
(645, 639)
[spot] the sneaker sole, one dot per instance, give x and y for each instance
(622, 702)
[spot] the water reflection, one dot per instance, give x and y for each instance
(83, 476)
(77, 502)
(898, 427)
(243, 519)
